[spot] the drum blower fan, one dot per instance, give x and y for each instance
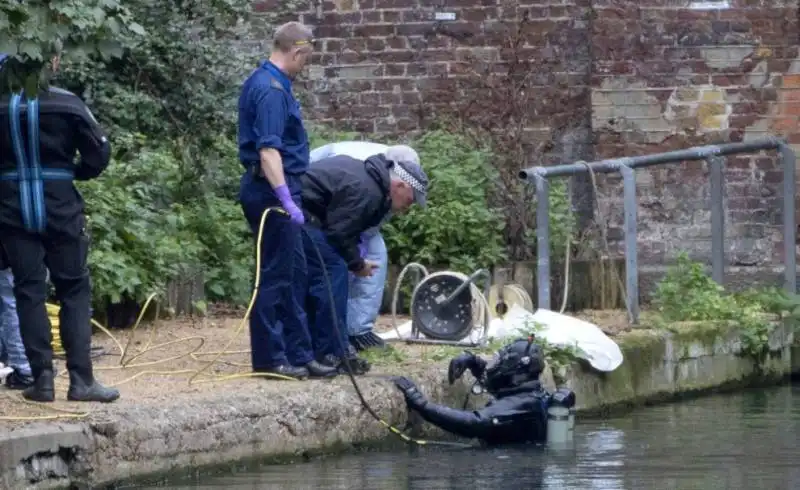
(444, 307)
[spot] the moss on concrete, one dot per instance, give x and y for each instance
(621, 407)
(706, 333)
(677, 361)
(642, 350)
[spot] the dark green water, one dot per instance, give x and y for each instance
(748, 441)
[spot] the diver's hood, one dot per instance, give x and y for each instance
(515, 365)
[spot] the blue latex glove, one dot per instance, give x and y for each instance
(295, 214)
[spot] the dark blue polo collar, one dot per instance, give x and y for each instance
(279, 75)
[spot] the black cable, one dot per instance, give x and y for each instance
(349, 369)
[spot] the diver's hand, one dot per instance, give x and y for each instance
(414, 397)
(459, 364)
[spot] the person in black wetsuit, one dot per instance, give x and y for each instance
(518, 413)
(42, 226)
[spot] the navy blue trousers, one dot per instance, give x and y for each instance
(317, 297)
(278, 330)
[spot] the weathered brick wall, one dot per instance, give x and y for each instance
(387, 66)
(666, 78)
(618, 77)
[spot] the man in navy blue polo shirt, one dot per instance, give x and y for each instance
(273, 148)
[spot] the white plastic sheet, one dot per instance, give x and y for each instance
(599, 350)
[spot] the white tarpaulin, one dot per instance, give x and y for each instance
(602, 353)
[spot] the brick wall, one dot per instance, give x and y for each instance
(666, 78)
(617, 77)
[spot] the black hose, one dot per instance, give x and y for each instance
(349, 369)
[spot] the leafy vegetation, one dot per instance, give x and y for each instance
(32, 33)
(458, 229)
(688, 294)
(163, 78)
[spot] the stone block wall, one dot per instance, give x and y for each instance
(615, 78)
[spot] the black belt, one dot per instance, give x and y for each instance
(254, 168)
(255, 171)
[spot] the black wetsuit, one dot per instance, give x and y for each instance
(516, 415)
(42, 222)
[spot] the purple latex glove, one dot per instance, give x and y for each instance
(295, 214)
(363, 246)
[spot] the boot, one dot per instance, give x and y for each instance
(18, 381)
(317, 370)
(43, 388)
(286, 370)
(81, 391)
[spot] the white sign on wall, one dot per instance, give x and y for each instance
(709, 4)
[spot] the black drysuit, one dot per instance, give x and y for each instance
(516, 415)
(42, 222)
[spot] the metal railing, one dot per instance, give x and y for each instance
(714, 155)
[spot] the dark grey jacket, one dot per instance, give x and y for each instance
(345, 197)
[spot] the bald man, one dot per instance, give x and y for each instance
(274, 150)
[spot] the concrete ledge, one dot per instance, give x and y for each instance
(121, 444)
(684, 360)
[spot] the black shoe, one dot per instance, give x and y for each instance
(356, 365)
(318, 370)
(286, 370)
(43, 388)
(357, 342)
(18, 381)
(366, 341)
(81, 391)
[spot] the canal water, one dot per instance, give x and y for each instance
(748, 440)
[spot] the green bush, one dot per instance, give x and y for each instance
(148, 228)
(320, 135)
(688, 293)
(167, 204)
(457, 229)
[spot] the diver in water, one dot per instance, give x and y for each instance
(518, 411)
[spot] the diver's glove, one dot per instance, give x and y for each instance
(462, 362)
(414, 397)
